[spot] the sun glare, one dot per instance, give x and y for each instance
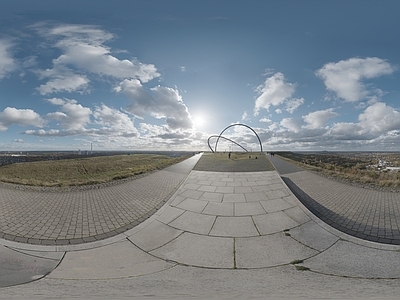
(198, 121)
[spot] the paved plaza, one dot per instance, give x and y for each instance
(361, 212)
(236, 233)
(62, 218)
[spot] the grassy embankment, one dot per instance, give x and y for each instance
(348, 168)
(84, 171)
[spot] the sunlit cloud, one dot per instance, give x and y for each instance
(114, 122)
(379, 118)
(84, 52)
(346, 77)
(273, 92)
(318, 119)
(72, 117)
(22, 117)
(160, 102)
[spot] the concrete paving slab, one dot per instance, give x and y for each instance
(275, 205)
(351, 260)
(41, 254)
(219, 183)
(190, 186)
(243, 189)
(169, 214)
(234, 198)
(182, 282)
(277, 191)
(225, 189)
(219, 209)
(155, 235)
(207, 188)
(256, 196)
(198, 250)
(234, 184)
(270, 250)
(314, 236)
(292, 200)
(263, 262)
(273, 222)
(17, 267)
(234, 227)
(193, 222)
(248, 209)
(177, 200)
(297, 214)
(193, 194)
(192, 205)
(118, 260)
(214, 197)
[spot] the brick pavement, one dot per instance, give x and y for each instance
(60, 218)
(365, 213)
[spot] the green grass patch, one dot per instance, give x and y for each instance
(297, 261)
(299, 268)
(302, 268)
(84, 171)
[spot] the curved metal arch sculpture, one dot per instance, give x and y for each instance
(225, 138)
(237, 124)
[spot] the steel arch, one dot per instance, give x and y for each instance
(237, 124)
(215, 135)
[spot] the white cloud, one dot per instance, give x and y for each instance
(244, 116)
(83, 53)
(265, 120)
(376, 120)
(42, 132)
(274, 91)
(7, 63)
(379, 118)
(166, 138)
(23, 117)
(293, 104)
(140, 99)
(345, 78)
(171, 107)
(98, 60)
(114, 122)
(73, 116)
(64, 83)
(346, 131)
(291, 125)
(318, 119)
(160, 102)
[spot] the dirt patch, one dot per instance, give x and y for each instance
(237, 162)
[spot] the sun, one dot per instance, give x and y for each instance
(198, 121)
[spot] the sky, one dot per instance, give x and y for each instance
(167, 75)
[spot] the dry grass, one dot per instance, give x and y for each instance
(349, 173)
(238, 162)
(84, 171)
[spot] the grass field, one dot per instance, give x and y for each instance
(84, 171)
(349, 167)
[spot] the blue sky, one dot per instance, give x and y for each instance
(165, 75)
